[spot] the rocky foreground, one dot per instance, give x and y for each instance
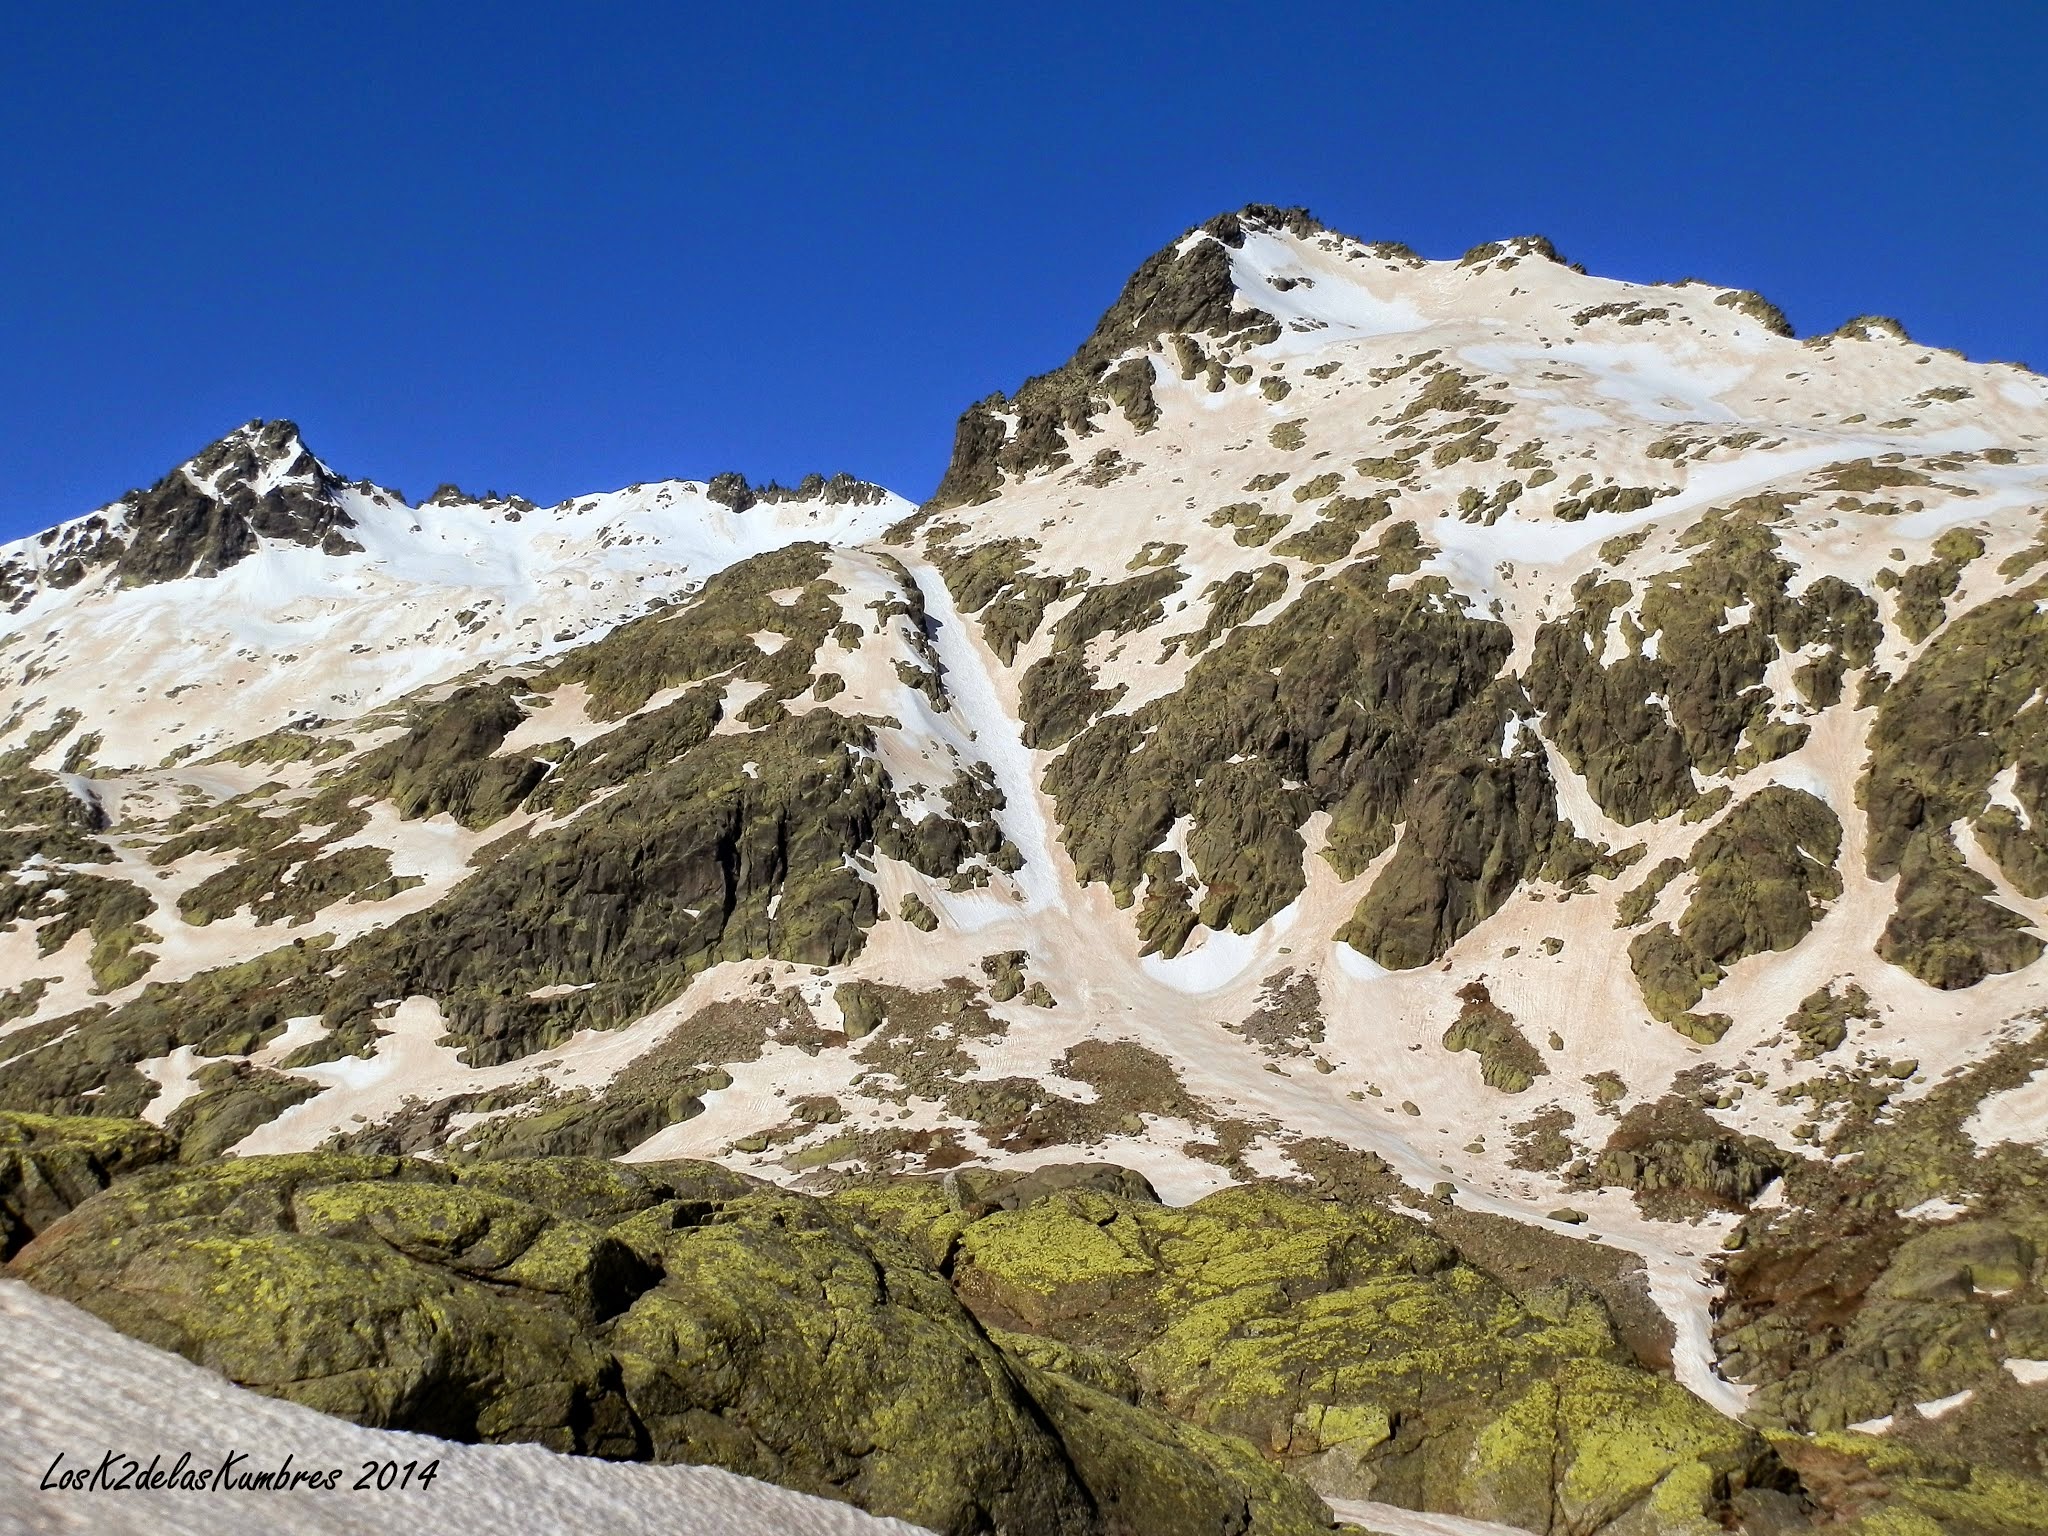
(1047, 1352)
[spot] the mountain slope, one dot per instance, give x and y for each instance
(252, 586)
(1565, 744)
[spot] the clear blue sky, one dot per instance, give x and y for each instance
(559, 248)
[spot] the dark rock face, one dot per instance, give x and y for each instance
(1507, 1061)
(1765, 872)
(50, 1164)
(179, 528)
(1381, 705)
(1717, 713)
(1968, 709)
(1855, 1300)
(447, 761)
(1680, 1161)
(733, 490)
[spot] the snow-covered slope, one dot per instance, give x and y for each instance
(346, 597)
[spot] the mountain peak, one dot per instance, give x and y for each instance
(259, 480)
(259, 455)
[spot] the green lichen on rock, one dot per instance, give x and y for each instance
(687, 865)
(1902, 1269)
(1333, 536)
(1351, 1345)
(83, 1063)
(1637, 903)
(447, 761)
(1758, 308)
(1821, 1022)
(662, 1086)
(19, 1002)
(1236, 598)
(590, 923)
(294, 881)
(229, 1100)
(712, 635)
(1507, 1061)
(1608, 498)
(51, 1163)
(67, 902)
(921, 1052)
(995, 581)
(40, 814)
(641, 743)
(1057, 696)
(1946, 929)
(287, 745)
(1005, 973)
(672, 1312)
(1922, 592)
(1250, 522)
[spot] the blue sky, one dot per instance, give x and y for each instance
(551, 249)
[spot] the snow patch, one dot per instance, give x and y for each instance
(1221, 957)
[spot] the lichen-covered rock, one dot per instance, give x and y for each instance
(1946, 929)
(1681, 1162)
(1716, 716)
(1763, 874)
(447, 761)
(1894, 1282)
(230, 1100)
(1968, 709)
(1507, 1061)
(1379, 704)
(675, 1312)
(1358, 1350)
(50, 1163)
(1821, 1022)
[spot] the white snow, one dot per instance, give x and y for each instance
(1393, 1520)
(2028, 1373)
(1942, 1407)
(1355, 963)
(2014, 1114)
(289, 630)
(1937, 1209)
(1340, 301)
(1219, 958)
(997, 738)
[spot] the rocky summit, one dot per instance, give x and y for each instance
(1420, 886)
